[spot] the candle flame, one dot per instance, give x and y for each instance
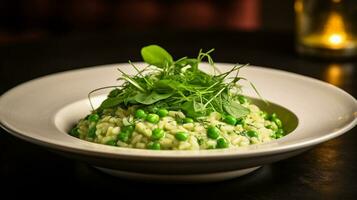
(335, 39)
(334, 31)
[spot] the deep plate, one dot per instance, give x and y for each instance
(324, 112)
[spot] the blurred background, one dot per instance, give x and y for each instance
(41, 37)
(49, 36)
(23, 20)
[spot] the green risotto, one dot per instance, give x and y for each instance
(173, 105)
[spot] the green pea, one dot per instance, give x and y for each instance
(93, 118)
(265, 115)
(242, 99)
(153, 118)
(111, 142)
(252, 133)
(157, 134)
(273, 116)
(229, 119)
(278, 122)
(162, 112)
(269, 126)
(129, 129)
(123, 136)
(187, 120)
(91, 132)
(154, 146)
(240, 121)
(74, 132)
(279, 133)
(222, 143)
(181, 136)
(140, 113)
(114, 93)
(213, 132)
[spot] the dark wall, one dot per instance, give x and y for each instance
(38, 18)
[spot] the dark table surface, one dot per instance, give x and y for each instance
(327, 171)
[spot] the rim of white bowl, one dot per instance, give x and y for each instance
(134, 154)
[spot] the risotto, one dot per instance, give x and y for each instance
(148, 112)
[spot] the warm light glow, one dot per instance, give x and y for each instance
(298, 6)
(334, 74)
(334, 34)
(339, 74)
(325, 30)
(335, 39)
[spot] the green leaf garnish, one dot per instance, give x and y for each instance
(179, 85)
(157, 56)
(151, 98)
(193, 109)
(111, 102)
(235, 109)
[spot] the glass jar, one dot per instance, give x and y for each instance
(326, 28)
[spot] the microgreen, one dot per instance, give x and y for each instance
(179, 85)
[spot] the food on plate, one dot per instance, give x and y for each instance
(174, 105)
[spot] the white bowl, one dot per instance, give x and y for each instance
(42, 111)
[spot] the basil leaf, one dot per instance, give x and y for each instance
(167, 86)
(193, 109)
(110, 102)
(156, 55)
(235, 109)
(114, 93)
(151, 98)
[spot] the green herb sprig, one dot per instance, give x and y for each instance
(179, 85)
